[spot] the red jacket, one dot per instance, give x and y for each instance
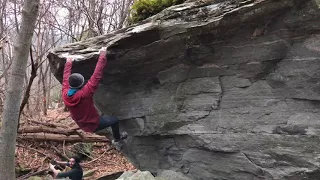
(81, 105)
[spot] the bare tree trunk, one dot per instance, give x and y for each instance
(37, 105)
(2, 18)
(4, 68)
(3, 14)
(91, 18)
(15, 16)
(122, 14)
(49, 89)
(14, 91)
(71, 15)
(28, 88)
(44, 89)
(2, 32)
(99, 18)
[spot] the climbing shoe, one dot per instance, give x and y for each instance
(119, 143)
(123, 135)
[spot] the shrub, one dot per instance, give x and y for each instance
(142, 9)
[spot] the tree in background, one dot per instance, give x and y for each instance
(14, 91)
(59, 22)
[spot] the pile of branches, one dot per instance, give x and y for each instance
(44, 131)
(33, 158)
(41, 139)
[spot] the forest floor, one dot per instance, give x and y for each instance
(35, 155)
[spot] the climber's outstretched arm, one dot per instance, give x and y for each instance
(97, 75)
(66, 74)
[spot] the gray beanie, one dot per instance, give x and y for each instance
(76, 80)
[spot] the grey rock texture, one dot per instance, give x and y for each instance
(215, 89)
(169, 174)
(139, 175)
(146, 175)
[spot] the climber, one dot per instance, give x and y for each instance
(78, 98)
(76, 172)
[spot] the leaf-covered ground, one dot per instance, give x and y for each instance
(35, 155)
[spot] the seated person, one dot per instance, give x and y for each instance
(76, 172)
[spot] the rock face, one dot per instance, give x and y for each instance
(215, 89)
(146, 175)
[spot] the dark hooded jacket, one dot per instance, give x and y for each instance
(76, 173)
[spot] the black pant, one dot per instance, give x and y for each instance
(107, 121)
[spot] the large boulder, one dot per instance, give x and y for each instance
(215, 89)
(144, 175)
(171, 175)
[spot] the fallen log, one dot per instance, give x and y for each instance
(54, 125)
(57, 137)
(41, 129)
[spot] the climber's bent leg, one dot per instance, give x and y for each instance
(107, 121)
